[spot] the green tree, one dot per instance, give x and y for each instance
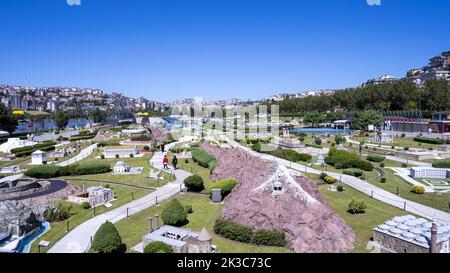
(107, 239)
(174, 213)
(158, 247)
(98, 116)
(362, 119)
(314, 118)
(61, 119)
(7, 122)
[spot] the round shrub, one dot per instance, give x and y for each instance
(403, 135)
(340, 188)
(194, 183)
(406, 148)
(323, 175)
(117, 156)
(158, 247)
(357, 207)
(107, 239)
(383, 180)
(329, 180)
(188, 209)
(102, 156)
(269, 238)
(318, 141)
(382, 165)
(174, 213)
(418, 189)
(225, 185)
(85, 205)
(131, 155)
(404, 165)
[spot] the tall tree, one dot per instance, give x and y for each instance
(7, 122)
(61, 119)
(362, 119)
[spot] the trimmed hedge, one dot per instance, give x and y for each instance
(289, 155)
(345, 160)
(29, 152)
(35, 147)
(194, 183)
(43, 172)
(204, 159)
(82, 137)
(225, 185)
(269, 238)
(233, 231)
(429, 140)
(354, 172)
(51, 171)
(92, 169)
(376, 158)
(108, 143)
(241, 233)
(443, 164)
(158, 247)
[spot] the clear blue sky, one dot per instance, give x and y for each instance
(169, 49)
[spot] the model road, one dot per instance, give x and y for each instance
(78, 239)
(362, 186)
(55, 186)
(82, 155)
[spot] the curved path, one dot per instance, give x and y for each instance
(78, 239)
(55, 186)
(362, 186)
(82, 155)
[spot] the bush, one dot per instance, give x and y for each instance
(188, 209)
(404, 165)
(43, 172)
(354, 172)
(339, 139)
(225, 185)
(146, 148)
(357, 207)
(382, 165)
(174, 213)
(269, 238)
(233, 231)
(429, 140)
(329, 180)
(117, 156)
(203, 158)
(85, 205)
(290, 155)
(383, 180)
(108, 143)
(158, 247)
(93, 169)
(107, 239)
(345, 160)
(194, 183)
(60, 213)
(406, 148)
(318, 141)
(340, 188)
(131, 155)
(323, 175)
(403, 135)
(375, 158)
(444, 164)
(418, 189)
(102, 156)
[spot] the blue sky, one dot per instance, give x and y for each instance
(170, 49)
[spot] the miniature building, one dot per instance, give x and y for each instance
(121, 167)
(93, 195)
(320, 160)
(440, 122)
(430, 172)
(408, 234)
(383, 138)
(38, 157)
(111, 152)
(216, 195)
(444, 148)
(182, 240)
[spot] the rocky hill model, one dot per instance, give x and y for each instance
(269, 196)
(16, 218)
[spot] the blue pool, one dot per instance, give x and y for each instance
(322, 131)
(25, 243)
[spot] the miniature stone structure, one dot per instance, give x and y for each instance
(408, 234)
(216, 195)
(13, 143)
(123, 151)
(122, 168)
(320, 160)
(38, 158)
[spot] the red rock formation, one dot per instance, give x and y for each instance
(269, 196)
(158, 134)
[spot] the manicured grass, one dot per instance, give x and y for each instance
(329, 168)
(58, 229)
(400, 142)
(194, 168)
(435, 200)
(205, 214)
(133, 179)
(376, 213)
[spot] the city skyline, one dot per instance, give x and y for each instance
(215, 50)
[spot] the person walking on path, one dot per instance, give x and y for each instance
(174, 162)
(165, 162)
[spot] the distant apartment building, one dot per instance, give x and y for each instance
(437, 68)
(381, 80)
(440, 122)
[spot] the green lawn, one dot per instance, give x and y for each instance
(400, 142)
(194, 168)
(435, 200)
(134, 179)
(58, 229)
(205, 213)
(376, 213)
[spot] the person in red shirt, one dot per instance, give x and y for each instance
(166, 162)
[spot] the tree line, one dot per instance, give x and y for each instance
(398, 96)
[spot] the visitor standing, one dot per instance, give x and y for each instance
(174, 162)
(165, 162)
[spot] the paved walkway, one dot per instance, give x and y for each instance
(362, 186)
(78, 239)
(82, 155)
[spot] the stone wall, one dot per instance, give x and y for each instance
(393, 244)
